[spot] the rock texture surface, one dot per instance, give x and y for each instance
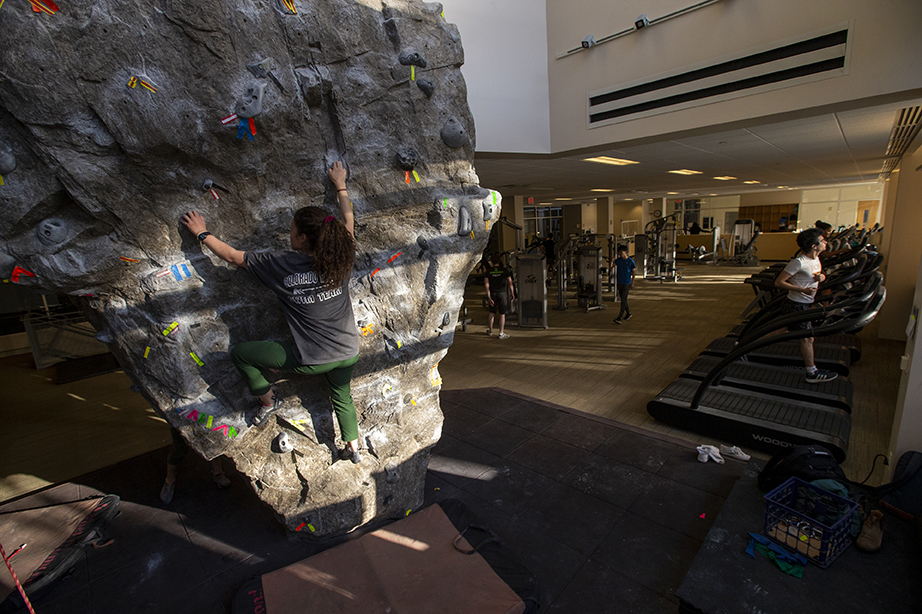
(118, 116)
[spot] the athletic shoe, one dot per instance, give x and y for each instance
(734, 452)
(628, 317)
(355, 457)
(503, 336)
(703, 454)
(166, 493)
(872, 533)
(712, 453)
(265, 411)
(617, 320)
(821, 375)
(222, 481)
(489, 332)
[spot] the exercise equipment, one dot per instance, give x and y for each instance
(656, 249)
(589, 277)
(531, 293)
(745, 236)
(765, 420)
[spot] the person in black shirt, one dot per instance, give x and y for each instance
(500, 293)
(548, 246)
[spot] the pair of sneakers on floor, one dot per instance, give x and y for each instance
(627, 317)
(706, 453)
(501, 335)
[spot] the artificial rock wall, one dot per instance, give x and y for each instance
(116, 116)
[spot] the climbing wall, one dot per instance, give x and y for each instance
(118, 116)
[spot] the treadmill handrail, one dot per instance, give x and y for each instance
(848, 298)
(859, 320)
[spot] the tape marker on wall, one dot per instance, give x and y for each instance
(416, 176)
(148, 86)
(197, 360)
(1, 176)
(412, 73)
(172, 328)
(408, 176)
(146, 351)
(129, 260)
(394, 257)
(133, 82)
(373, 272)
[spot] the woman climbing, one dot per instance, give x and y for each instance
(312, 284)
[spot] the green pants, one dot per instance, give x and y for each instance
(251, 357)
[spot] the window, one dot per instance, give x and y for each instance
(545, 221)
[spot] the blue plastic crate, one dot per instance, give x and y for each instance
(809, 520)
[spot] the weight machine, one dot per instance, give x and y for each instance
(656, 249)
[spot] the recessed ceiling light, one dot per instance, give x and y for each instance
(610, 160)
(783, 187)
(724, 178)
(672, 193)
(599, 190)
(563, 199)
(545, 203)
(751, 182)
(685, 171)
(712, 194)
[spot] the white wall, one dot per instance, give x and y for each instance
(836, 206)
(907, 422)
(885, 47)
(505, 68)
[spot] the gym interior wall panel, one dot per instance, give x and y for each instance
(907, 420)
(881, 63)
(903, 255)
(505, 70)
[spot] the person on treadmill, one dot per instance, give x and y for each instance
(801, 277)
(500, 292)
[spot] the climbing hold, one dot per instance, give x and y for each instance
(423, 245)
(7, 159)
(283, 442)
(465, 223)
(251, 104)
(426, 86)
(453, 133)
(263, 69)
(446, 319)
(51, 231)
(407, 158)
(412, 57)
(488, 211)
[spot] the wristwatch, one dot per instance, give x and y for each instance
(202, 236)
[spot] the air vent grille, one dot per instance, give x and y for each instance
(816, 56)
(905, 128)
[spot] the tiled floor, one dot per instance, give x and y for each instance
(607, 517)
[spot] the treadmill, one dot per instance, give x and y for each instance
(787, 382)
(761, 420)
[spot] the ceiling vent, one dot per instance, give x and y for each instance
(905, 128)
(819, 55)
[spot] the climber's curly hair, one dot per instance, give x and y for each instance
(332, 245)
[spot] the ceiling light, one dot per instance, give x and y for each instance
(563, 199)
(610, 160)
(599, 190)
(712, 194)
(724, 178)
(672, 193)
(751, 182)
(685, 171)
(545, 203)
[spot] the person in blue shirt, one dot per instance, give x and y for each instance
(624, 267)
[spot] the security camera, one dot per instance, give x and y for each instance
(641, 22)
(588, 42)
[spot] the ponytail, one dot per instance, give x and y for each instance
(332, 245)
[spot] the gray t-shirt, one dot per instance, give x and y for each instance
(320, 319)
